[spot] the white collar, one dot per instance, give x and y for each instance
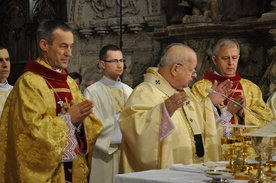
(4, 86)
(111, 83)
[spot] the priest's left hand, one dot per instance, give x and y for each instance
(78, 112)
(234, 108)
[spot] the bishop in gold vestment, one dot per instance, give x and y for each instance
(143, 145)
(33, 137)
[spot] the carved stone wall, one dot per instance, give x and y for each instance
(19, 20)
(97, 23)
(253, 58)
(201, 23)
(147, 26)
(142, 28)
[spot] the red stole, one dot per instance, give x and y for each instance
(236, 88)
(55, 81)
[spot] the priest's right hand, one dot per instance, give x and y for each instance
(78, 112)
(223, 88)
(175, 101)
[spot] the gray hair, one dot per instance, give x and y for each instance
(225, 42)
(46, 30)
(169, 59)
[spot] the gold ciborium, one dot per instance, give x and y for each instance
(235, 148)
(260, 143)
(270, 164)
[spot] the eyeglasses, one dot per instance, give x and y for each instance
(115, 61)
(192, 71)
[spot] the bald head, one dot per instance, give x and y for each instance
(177, 65)
(176, 53)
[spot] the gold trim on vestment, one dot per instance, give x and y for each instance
(164, 86)
(116, 92)
(196, 159)
(60, 90)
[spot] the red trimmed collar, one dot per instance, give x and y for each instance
(37, 68)
(213, 76)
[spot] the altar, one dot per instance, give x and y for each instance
(167, 176)
(238, 169)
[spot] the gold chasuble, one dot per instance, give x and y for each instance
(34, 138)
(251, 92)
(193, 139)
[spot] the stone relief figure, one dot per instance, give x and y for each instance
(250, 65)
(16, 19)
(271, 76)
(272, 79)
(13, 21)
(268, 81)
(216, 11)
(273, 4)
(207, 63)
(101, 7)
(205, 11)
(204, 53)
(43, 11)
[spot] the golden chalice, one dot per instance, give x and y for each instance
(260, 143)
(236, 148)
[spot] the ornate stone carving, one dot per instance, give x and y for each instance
(273, 4)
(72, 4)
(97, 23)
(102, 16)
(268, 81)
(250, 64)
(117, 29)
(109, 8)
(238, 19)
(43, 11)
(85, 33)
(207, 11)
(16, 17)
(203, 49)
(14, 28)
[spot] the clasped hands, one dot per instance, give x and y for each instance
(78, 112)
